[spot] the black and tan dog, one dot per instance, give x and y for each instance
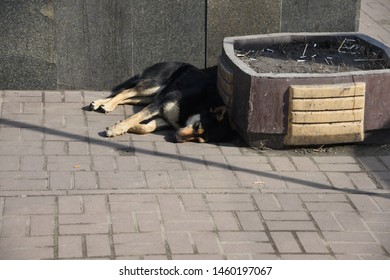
(176, 94)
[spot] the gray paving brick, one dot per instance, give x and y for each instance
(267, 202)
(306, 180)
(213, 179)
(285, 242)
(61, 180)
(157, 180)
(372, 163)
(386, 161)
(312, 242)
(139, 244)
(194, 202)
(39, 205)
(85, 180)
(26, 248)
(148, 222)
(363, 203)
(21, 148)
(356, 248)
(78, 148)
(42, 225)
(230, 202)
(282, 163)
(71, 163)
(290, 202)
(133, 203)
(70, 247)
(383, 178)
(187, 221)
(33, 163)
(123, 222)
(340, 180)
(285, 215)
(225, 221)
(122, 180)
(127, 163)
(304, 164)
(250, 221)
(180, 179)
(363, 181)
(206, 242)
(180, 243)
(82, 224)
(15, 225)
(98, 245)
(104, 163)
(70, 204)
(290, 225)
(343, 236)
(9, 163)
(326, 221)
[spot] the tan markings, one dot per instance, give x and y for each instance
(134, 120)
(97, 103)
(113, 102)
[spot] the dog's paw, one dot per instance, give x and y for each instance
(116, 130)
(94, 106)
(106, 109)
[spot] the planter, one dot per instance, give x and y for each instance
(283, 109)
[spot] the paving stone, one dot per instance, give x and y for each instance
(372, 163)
(180, 243)
(285, 242)
(33, 163)
(9, 163)
(363, 203)
(139, 244)
(282, 163)
(42, 225)
(225, 221)
(70, 247)
(98, 246)
(206, 242)
(61, 180)
(213, 179)
(39, 205)
(121, 180)
(312, 242)
(83, 224)
(85, 180)
(133, 203)
(304, 164)
(250, 221)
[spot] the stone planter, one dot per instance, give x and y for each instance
(279, 109)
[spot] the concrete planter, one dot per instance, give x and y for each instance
(303, 109)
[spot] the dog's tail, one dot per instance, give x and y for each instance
(125, 85)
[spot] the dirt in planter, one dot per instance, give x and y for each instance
(343, 55)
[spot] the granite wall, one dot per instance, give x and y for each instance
(95, 44)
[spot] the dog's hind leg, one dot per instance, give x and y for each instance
(138, 101)
(145, 88)
(125, 125)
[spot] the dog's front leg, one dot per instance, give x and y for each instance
(125, 125)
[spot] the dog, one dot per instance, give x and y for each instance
(177, 95)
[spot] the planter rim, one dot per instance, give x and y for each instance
(229, 42)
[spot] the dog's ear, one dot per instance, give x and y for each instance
(219, 112)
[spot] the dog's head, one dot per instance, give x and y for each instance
(209, 126)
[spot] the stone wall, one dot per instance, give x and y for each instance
(95, 44)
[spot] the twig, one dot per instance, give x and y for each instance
(304, 51)
(341, 45)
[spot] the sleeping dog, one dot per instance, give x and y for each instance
(175, 94)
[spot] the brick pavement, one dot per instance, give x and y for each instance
(68, 193)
